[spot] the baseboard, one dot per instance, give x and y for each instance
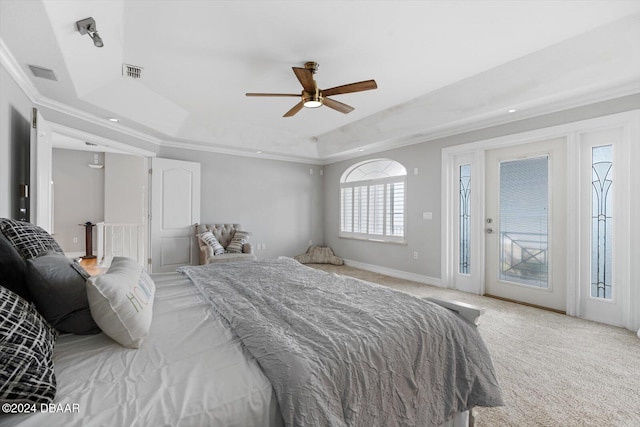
(395, 273)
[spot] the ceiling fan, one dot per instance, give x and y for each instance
(312, 97)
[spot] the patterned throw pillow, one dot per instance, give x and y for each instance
(30, 240)
(26, 352)
(211, 240)
(238, 240)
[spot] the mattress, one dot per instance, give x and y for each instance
(190, 371)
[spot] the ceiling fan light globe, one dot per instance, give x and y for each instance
(312, 104)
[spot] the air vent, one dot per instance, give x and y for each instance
(132, 71)
(43, 73)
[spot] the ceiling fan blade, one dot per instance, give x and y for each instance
(294, 110)
(271, 94)
(336, 105)
(352, 87)
(305, 76)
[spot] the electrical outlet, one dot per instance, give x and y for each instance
(415, 255)
(75, 240)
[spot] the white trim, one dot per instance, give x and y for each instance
(8, 61)
(494, 118)
(100, 140)
(419, 278)
(244, 153)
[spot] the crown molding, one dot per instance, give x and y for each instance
(529, 110)
(242, 153)
(526, 111)
(9, 63)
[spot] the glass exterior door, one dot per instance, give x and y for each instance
(525, 218)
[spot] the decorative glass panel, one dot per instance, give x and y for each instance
(524, 211)
(465, 219)
(601, 221)
(375, 169)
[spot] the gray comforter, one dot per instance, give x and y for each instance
(343, 352)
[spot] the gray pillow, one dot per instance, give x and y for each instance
(12, 269)
(57, 287)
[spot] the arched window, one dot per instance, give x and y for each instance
(372, 201)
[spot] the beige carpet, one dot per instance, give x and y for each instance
(554, 370)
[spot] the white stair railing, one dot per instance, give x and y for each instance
(119, 239)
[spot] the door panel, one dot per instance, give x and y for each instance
(603, 283)
(526, 223)
(175, 208)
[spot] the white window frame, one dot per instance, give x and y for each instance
(367, 184)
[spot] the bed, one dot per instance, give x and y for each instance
(229, 346)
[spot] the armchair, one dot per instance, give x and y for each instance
(224, 234)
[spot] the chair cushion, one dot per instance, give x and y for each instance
(238, 240)
(26, 352)
(58, 288)
(29, 239)
(211, 240)
(227, 257)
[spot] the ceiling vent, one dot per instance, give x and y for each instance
(132, 71)
(43, 73)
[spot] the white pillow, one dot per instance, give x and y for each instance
(121, 301)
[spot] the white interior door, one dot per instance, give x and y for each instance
(41, 200)
(525, 229)
(175, 208)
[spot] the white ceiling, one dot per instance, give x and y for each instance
(441, 66)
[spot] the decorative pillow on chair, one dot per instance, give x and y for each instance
(58, 288)
(238, 240)
(121, 301)
(211, 241)
(26, 352)
(30, 240)
(12, 269)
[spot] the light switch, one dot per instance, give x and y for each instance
(427, 215)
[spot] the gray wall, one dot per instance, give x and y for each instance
(280, 202)
(78, 197)
(423, 191)
(15, 115)
(125, 187)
